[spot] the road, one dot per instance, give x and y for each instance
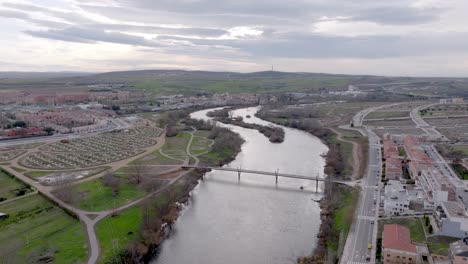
(359, 117)
(419, 121)
(84, 216)
(363, 232)
(116, 125)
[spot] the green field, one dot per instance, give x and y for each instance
(97, 197)
(461, 171)
(114, 233)
(216, 158)
(462, 148)
(10, 187)
(199, 145)
(37, 229)
(18, 169)
(343, 216)
(224, 84)
(156, 158)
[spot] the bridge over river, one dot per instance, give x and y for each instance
(275, 174)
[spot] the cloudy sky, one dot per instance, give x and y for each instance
(384, 37)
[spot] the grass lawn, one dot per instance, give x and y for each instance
(10, 187)
(461, 171)
(202, 133)
(215, 158)
(36, 227)
(462, 148)
(18, 169)
(97, 197)
(177, 143)
(114, 233)
(156, 158)
(440, 244)
(199, 145)
(343, 216)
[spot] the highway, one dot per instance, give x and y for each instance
(363, 231)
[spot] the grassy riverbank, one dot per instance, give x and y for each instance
(135, 234)
(273, 133)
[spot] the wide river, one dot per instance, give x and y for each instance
(254, 220)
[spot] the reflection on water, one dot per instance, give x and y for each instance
(254, 220)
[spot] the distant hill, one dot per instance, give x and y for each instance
(39, 75)
(197, 82)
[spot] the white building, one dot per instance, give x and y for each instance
(397, 199)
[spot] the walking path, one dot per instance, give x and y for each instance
(356, 153)
(89, 218)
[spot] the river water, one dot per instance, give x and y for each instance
(254, 220)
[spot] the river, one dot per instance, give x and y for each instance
(254, 220)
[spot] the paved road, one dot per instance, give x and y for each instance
(419, 121)
(359, 117)
(363, 231)
(117, 124)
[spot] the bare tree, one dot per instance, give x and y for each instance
(136, 172)
(112, 181)
(66, 191)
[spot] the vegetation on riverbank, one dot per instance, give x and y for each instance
(339, 202)
(337, 210)
(337, 163)
(134, 235)
(273, 133)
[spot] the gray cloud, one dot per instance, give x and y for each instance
(302, 45)
(193, 28)
(398, 15)
(86, 35)
(203, 32)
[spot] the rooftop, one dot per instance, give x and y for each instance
(455, 209)
(460, 248)
(398, 237)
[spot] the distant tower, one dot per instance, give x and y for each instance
(271, 67)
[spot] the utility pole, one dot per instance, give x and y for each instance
(276, 173)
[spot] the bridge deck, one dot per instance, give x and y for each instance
(274, 174)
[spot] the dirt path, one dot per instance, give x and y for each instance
(356, 153)
(85, 216)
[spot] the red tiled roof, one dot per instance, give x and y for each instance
(397, 237)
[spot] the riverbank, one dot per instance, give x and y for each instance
(146, 226)
(339, 202)
(273, 133)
